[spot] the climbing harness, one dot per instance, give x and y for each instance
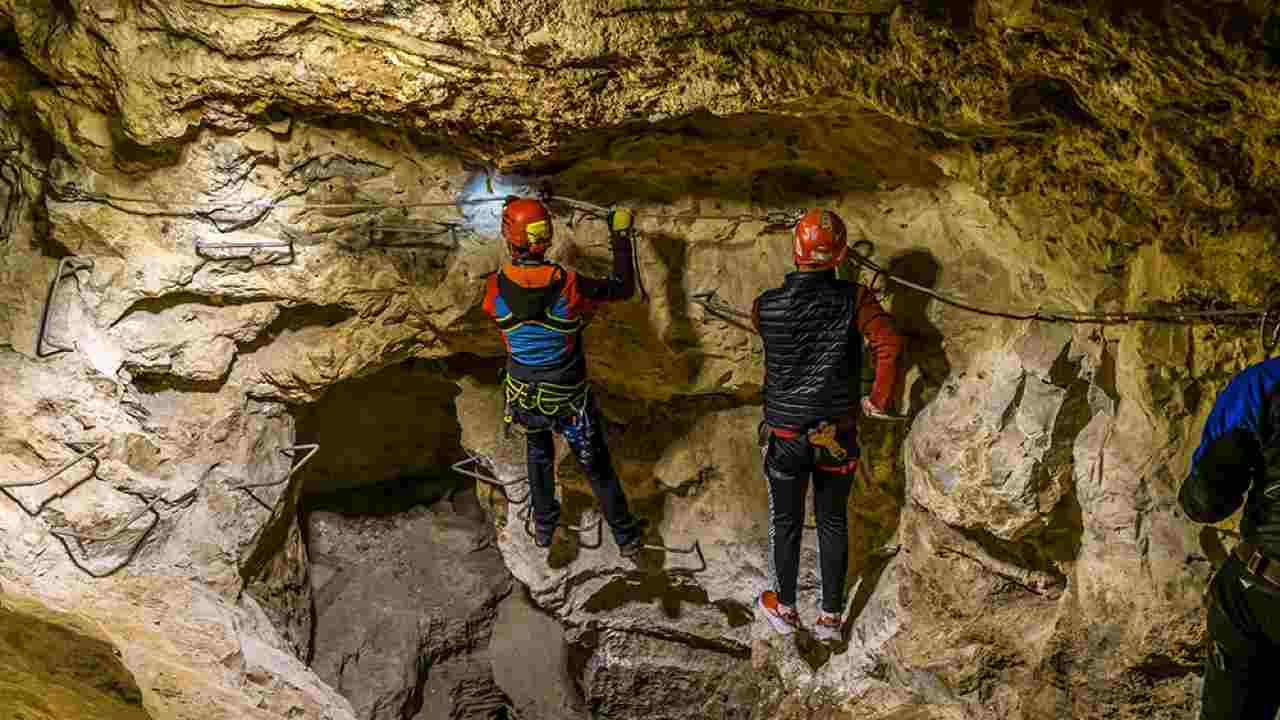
(67, 267)
(544, 398)
(471, 467)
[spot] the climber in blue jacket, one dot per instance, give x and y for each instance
(1239, 454)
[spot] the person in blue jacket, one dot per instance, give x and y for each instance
(1239, 455)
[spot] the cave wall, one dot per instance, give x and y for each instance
(1049, 154)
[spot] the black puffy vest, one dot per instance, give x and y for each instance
(812, 352)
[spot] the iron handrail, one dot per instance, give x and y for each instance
(77, 264)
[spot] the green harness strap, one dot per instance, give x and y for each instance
(549, 399)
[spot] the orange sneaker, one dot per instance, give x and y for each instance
(827, 629)
(784, 620)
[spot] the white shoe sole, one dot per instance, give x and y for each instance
(779, 625)
(826, 634)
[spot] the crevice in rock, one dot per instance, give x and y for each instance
(170, 301)
(293, 318)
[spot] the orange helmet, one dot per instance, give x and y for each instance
(821, 240)
(526, 225)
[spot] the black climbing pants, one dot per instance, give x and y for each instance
(583, 429)
(788, 465)
(1244, 649)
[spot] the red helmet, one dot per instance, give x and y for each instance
(821, 240)
(526, 225)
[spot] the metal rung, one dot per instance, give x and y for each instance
(695, 549)
(709, 300)
(598, 526)
(312, 447)
(75, 264)
(118, 531)
(476, 459)
(202, 248)
(67, 466)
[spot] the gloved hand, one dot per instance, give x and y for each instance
(870, 410)
(619, 220)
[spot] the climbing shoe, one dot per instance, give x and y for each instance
(542, 538)
(827, 629)
(632, 548)
(784, 620)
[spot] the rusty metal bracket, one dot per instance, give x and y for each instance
(65, 467)
(313, 448)
(598, 526)
(75, 264)
(202, 249)
(478, 461)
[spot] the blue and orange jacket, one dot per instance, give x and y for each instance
(541, 309)
(1239, 452)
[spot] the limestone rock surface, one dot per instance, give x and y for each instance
(254, 210)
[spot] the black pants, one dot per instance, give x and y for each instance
(788, 465)
(583, 430)
(1244, 633)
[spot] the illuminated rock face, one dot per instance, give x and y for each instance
(305, 268)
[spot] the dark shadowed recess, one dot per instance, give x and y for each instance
(387, 440)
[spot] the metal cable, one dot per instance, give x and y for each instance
(72, 193)
(1071, 316)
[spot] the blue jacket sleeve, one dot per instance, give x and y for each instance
(1230, 454)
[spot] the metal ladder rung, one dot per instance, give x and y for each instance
(118, 531)
(76, 264)
(477, 460)
(598, 526)
(313, 448)
(66, 466)
(202, 248)
(695, 549)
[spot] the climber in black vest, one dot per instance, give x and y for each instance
(1239, 453)
(541, 309)
(813, 328)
